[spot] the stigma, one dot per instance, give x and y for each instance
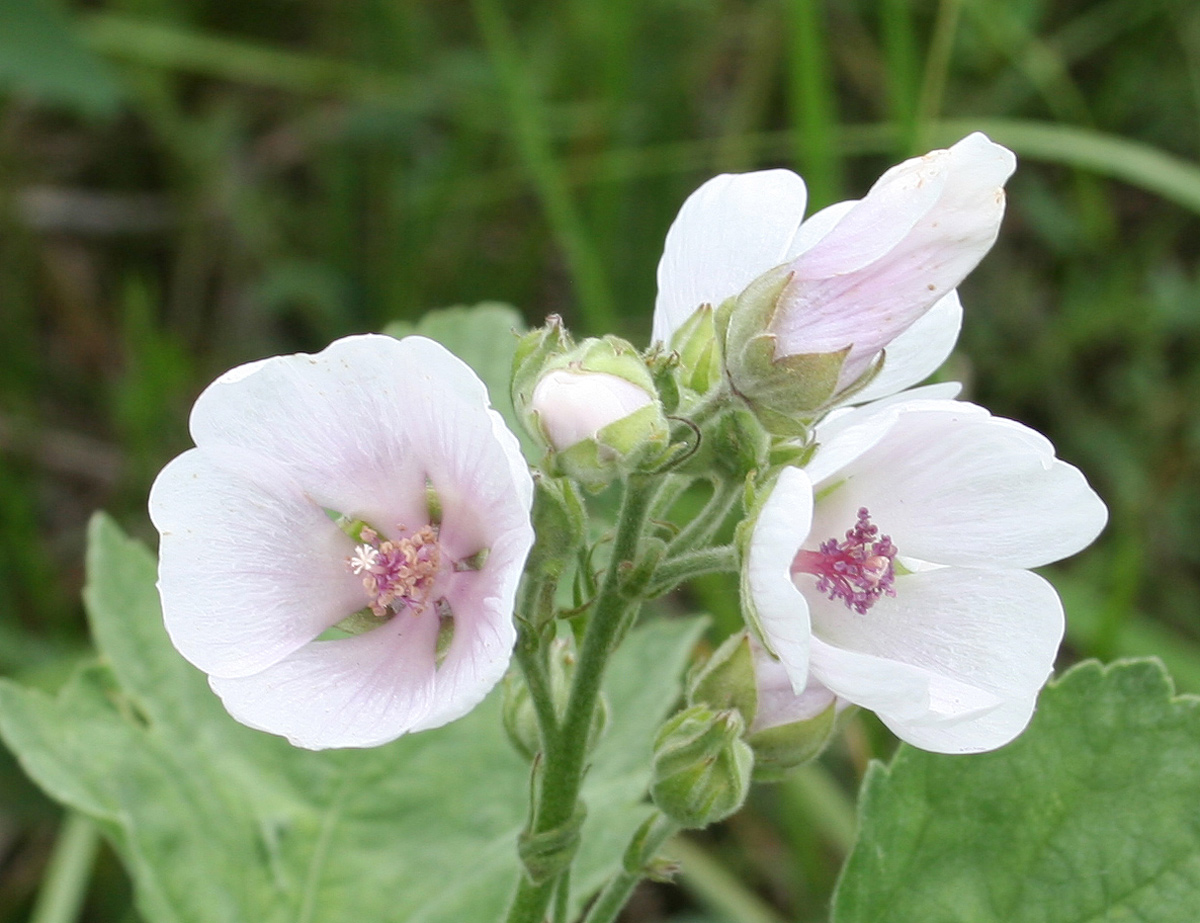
(397, 574)
(859, 570)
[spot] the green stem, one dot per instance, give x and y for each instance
(564, 766)
(674, 571)
(708, 520)
(530, 659)
(562, 898)
(65, 886)
(616, 893)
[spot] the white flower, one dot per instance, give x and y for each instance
(868, 274)
(572, 406)
(396, 436)
(892, 569)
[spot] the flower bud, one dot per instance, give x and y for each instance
(699, 356)
(786, 393)
(575, 405)
(518, 716)
(813, 332)
(726, 680)
(789, 729)
(597, 410)
(702, 767)
(517, 710)
(559, 524)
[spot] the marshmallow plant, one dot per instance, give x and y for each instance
(356, 553)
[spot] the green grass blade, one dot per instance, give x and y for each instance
(813, 104)
(532, 141)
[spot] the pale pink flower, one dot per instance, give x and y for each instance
(397, 436)
(868, 274)
(572, 406)
(892, 569)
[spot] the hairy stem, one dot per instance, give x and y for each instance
(565, 764)
(616, 893)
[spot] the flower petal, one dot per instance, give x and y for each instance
(250, 567)
(847, 433)
(918, 352)
(778, 702)
(816, 226)
(354, 692)
(912, 239)
(357, 424)
(779, 610)
(729, 231)
(980, 641)
(484, 634)
(953, 485)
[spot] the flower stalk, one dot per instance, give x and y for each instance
(564, 765)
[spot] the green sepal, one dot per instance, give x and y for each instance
(726, 679)
(664, 369)
(787, 393)
(696, 344)
(544, 855)
(733, 443)
(780, 749)
(617, 449)
(702, 767)
(535, 353)
(559, 524)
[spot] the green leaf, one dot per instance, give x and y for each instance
(1090, 815)
(484, 336)
(220, 823)
(40, 55)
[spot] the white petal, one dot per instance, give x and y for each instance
(250, 568)
(573, 406)
(356, 423)
(847, 433)
(980, 641)
(729, 231)
(778, 702)
(918, 352)
(780, 611)
(912, 239)
(816, 226)
(484, 633)
(952, 485)
(354, 692)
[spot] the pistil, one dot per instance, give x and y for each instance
(859, 570)
(397, 574)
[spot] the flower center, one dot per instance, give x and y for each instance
(398, 574)
(858, 571)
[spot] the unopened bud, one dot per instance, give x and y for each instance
(559, 525)
(702, 767)
(597, 410)
(790, 728)
(574, 405)
(726, 680)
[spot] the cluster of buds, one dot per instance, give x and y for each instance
(593, 406)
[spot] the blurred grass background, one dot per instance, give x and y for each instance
(185, 186)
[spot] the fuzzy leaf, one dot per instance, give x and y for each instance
(1090, 815)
